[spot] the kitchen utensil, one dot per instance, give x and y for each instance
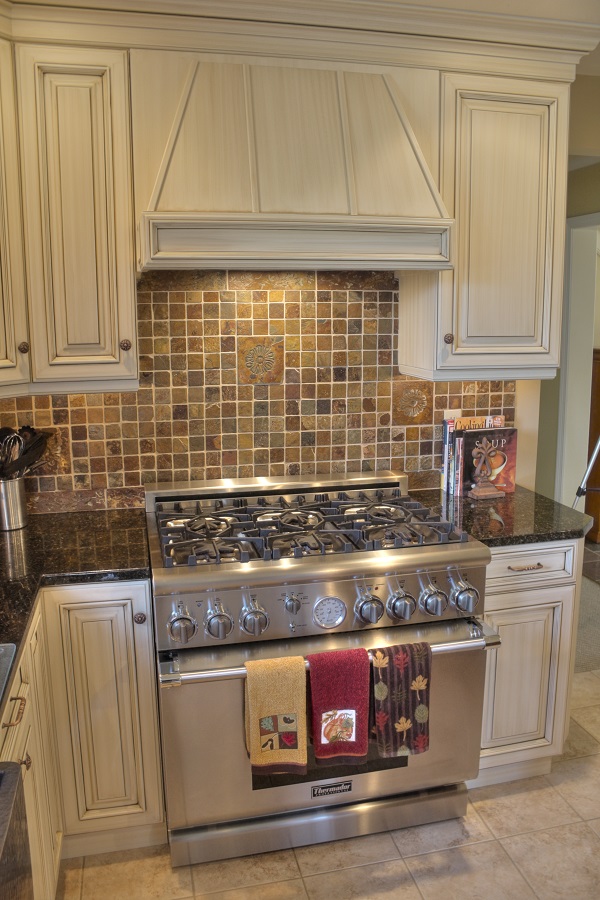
(31, 451)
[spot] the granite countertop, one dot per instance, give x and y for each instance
(520, 518)
(64, 548)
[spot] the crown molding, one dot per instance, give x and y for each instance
(475, 21)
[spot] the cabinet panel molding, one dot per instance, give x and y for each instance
(74, 112)
(14, 365)
(104, 692)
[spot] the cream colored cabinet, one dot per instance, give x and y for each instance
(77, 209)
(104, 696)
(531, 600)
(27, 738)
(498, 314)
(14, 338)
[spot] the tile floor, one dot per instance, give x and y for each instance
(539, 837)
(536, 838)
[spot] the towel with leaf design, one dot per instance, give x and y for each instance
(401, 689)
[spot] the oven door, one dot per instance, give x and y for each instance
(207, 772)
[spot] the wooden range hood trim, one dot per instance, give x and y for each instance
(192, 241)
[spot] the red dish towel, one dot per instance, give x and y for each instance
(401, 684)
(339, 688)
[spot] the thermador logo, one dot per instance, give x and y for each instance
(342, 787)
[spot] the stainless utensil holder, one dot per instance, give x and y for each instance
(13, 506)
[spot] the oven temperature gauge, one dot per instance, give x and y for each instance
(329, 612)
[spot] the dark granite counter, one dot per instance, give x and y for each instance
(64, 548)
(520, 518)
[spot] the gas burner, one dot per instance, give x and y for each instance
(209, 552)
(308, 543)
(292, 519)
(209, 526)
(385, 537)
(378, 512)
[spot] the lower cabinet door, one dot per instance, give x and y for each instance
(104, 688)
(527, 676)
(22, 745)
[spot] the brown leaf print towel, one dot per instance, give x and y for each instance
(401, 684)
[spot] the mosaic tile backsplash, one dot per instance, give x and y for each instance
(245, 374)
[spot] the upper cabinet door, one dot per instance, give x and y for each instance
(14, 362)
(78, 212)
(504, 177)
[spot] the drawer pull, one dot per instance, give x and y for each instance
(526, 568)
(21, 701)
(25, 762)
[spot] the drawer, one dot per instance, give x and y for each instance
(531, 564)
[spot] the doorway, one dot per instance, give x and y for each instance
(565, 401)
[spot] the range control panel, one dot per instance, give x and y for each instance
(211, 617)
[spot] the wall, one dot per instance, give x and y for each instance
(250, 374)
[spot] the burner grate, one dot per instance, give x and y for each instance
(211, 531)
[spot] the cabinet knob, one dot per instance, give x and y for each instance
(23, 347)
(125, 344)
(139, 618)
(25, 762)
(448, 338)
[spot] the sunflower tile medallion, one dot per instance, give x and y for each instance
(260, 360)
(412, 402)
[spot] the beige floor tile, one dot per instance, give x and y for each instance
(279, 890)
(473, 872)
(559, 862)
(442, 835)
(578, 782)
(588, 718)
(586, 690)
(594, 825)
(135, 875)
(389, 880)
(246, 871)
(519, 806)
(358, 851)
(70, 879)
(579, 742)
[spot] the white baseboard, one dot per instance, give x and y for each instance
(118, 839)
(511, 772)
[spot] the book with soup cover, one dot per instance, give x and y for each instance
(496, 448)
(450, 470)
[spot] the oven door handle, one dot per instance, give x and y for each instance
(482, 637)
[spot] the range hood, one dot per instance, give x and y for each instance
(267, 165)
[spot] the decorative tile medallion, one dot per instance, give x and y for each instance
(412, 402)
(260, 360)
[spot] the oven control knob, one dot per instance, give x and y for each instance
(433, 601)
(182, 628)
(464, 596)
(292, 604)
(369, 609)
(254, 621)
(401, 605)
(218, 623)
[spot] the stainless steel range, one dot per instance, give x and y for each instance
(258, 568)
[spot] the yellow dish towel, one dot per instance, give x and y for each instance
(275, 715)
